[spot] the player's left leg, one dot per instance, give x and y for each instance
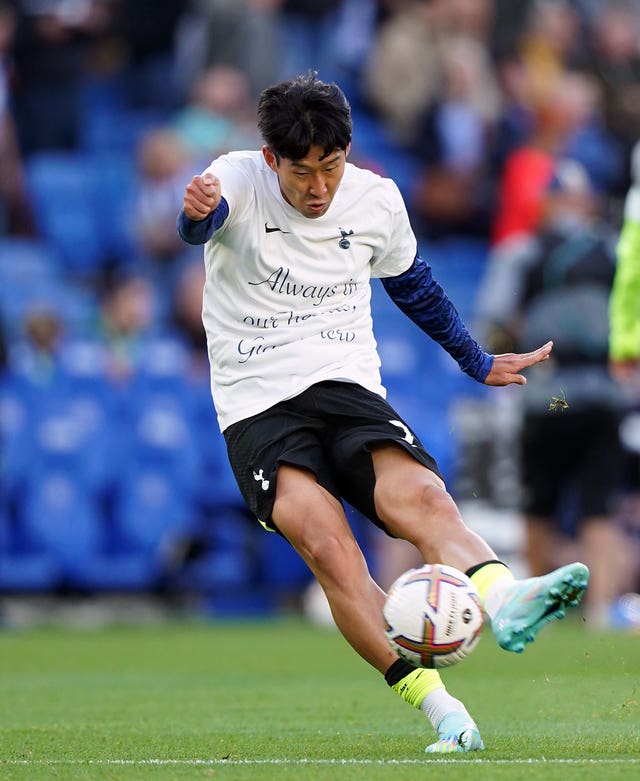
(314, 523)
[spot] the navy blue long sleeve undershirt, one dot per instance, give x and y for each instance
(423, 300)
(415, 292)
(200, 231)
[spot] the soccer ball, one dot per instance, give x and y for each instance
(433, 616)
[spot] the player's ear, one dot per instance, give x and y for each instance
(270, 158)
(347, 150)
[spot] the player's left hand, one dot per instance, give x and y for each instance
(506, 367)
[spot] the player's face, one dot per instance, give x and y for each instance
(310, 184)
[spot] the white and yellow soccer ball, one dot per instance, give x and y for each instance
(433, 616)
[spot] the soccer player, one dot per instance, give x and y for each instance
(624, 306)
(292, 235)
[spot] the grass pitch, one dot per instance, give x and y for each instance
(284, 700)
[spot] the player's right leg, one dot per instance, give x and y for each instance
(518, 610)
(414, 505)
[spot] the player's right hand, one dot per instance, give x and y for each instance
(202, 196)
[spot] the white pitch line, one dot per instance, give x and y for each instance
(245, 762)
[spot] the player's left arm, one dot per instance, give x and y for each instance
(424, 301)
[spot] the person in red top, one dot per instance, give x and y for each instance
(526, 176)
(528, 170)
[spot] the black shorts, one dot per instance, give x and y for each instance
(575, 456)
(327, 429)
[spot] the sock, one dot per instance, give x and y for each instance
(413, 684)
(439, 704)
(491, 578)
(424, 690)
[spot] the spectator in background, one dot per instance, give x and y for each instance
(551, 42)
(624, 362)
(14, 209)
(404, 70)
(509, 20)
(51, 45)
(162, 161)
(242, 34)
(219, 116)
(147, 30)
(570, 447)
(186, 314)
(516, 121)
(614, 30)
(127, 308)
(39, 354)
(624, 305)
(308, 37)
(568, 109)
(453, 193)
(534, 43)
(591, 142)
(552, 97)
(218, 119)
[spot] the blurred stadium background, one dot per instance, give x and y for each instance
(114, 483)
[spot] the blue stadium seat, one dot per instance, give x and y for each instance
(150, 511)
(28, 573)
(68, 544)
(62, 188)
(114, 196)
(15, 437)
(60, 518)
(113, 129)
(160, 435)
(30, 276)
(83, 205)
(217, 486)
(74, 433)
(22, 569)
(221, 555)
(25, 261)
(373, 145)
(159, 414)
(163, 368)
(459, 265)
(282, 570)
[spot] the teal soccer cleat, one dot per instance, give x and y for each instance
(530, 604)
(456, 734)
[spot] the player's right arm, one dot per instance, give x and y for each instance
(204, 209)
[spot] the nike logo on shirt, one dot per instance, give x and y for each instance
(272, 230)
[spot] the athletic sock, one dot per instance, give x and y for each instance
(491, 579)
(439, 703)
(424, 690)
(413, 684)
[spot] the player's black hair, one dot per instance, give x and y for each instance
(295, 115)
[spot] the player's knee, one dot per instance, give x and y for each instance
(422, 508)
(435, 501)
(413, 499)
(333, 558)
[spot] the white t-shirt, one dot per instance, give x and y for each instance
(287, 298)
